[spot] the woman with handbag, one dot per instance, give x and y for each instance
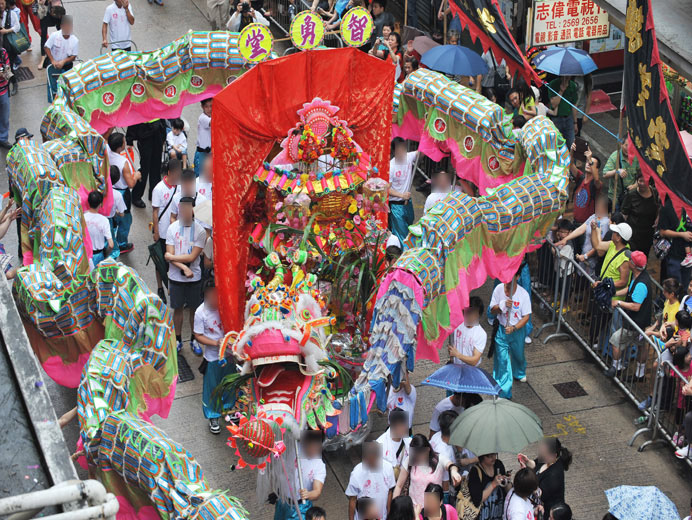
(487, 483)
(550, 466)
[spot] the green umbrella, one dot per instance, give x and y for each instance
(496, 425)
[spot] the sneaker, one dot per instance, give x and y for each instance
(610, 372)
(684, 452)
(641, 420)
(180, 345)
(687, 262)
(214, 426)
(162, 295)
(644, 404)
(523, 380)
(195, 347)
(126, 248)
(528, 340)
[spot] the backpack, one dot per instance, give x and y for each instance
(466, 509)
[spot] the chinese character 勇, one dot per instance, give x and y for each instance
(307, 31)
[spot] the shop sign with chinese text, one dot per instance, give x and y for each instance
(562, 21)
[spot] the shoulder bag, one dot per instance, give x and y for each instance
(466, 509)
(603, 293)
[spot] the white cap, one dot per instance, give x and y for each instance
(393, 240)
(624, 230)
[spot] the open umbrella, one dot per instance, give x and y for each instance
(422, 44)
(565, 61)
(455, 60)
(496, 425)
(640, 503)
(463, 378)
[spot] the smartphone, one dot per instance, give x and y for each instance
(581, 145)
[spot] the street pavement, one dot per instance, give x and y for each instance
(595, 427)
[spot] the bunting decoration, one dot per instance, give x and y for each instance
(652, 129)
(484, 20)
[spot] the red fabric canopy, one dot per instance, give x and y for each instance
(257, 110)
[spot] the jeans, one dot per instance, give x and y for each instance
(4, 116)
(565, 124)
(674, 270)
(123, 223)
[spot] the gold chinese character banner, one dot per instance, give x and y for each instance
(485, 22)
(652, 129)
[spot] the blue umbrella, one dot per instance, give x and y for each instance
(640, 503)
(463, 378)
(455, 60)
(565, 61)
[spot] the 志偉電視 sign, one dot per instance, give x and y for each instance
(561, 21)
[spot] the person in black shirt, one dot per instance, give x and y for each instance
(640, 207)
(677, 230)
(488, 482)
(550, 466)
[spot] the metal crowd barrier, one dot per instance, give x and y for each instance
(671, 407)
(282, 17)
(562, 287)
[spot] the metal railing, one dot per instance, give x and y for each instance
(563, 288)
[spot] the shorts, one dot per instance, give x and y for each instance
(184, 294)
(625, 337)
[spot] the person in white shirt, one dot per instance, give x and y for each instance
(61, 50)
(313, 472)
(441, 187)
(203, 135)
(395, 440)
(176, 141)
(205, 181)
(440, 442)
(244, 15)
(400, 178)
(512, 306)
(453, 402)
(517, 503)
(118, 208)
(188, 188)
(403, 397)
(161, 204)
(185, 240)
(116, 25)
(469, 338)
(99, 228)
(128, 178)
(208, 331)
(372, 478)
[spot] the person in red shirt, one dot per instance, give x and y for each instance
(588, 184)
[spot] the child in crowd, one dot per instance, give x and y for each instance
(188, 188)
(313, 472)
(469, 338)
(99, 228)
(403, 397)
(185, 240)
(176, 141)
(441, 187)
(440, 443)
(203, 134)
(681, 360)
(400, 178)
(206, 179)
(395, 440)
(209, 333)
(512, 306)
(161, 203)
(316, 513)
(373, 478)
(453, 402)
(564, 252)
(367, 509)
(117, 209)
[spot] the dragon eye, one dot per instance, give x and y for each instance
(306, 315)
